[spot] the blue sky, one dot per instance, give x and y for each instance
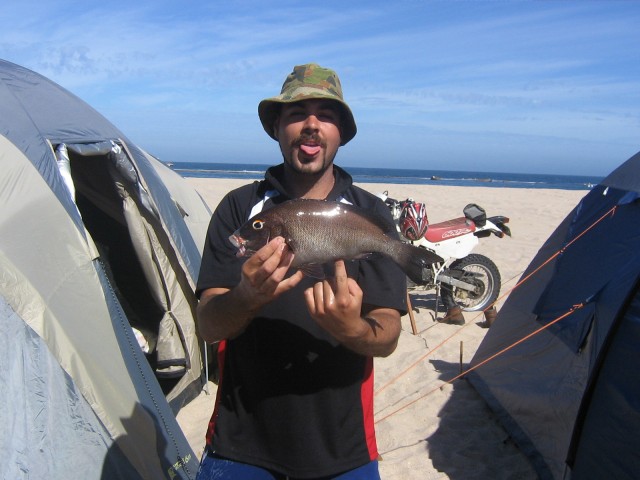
(507, 86)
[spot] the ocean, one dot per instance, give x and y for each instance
(403, 176)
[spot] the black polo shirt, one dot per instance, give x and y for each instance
(291, 398)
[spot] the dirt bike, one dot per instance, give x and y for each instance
(472, 279)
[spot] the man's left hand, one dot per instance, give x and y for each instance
(336, 304)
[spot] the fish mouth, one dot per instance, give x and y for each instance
(240, 243)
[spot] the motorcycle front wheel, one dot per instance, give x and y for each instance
(481, 272)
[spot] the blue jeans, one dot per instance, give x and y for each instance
(213, 467)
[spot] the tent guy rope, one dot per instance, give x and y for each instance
(607, 214)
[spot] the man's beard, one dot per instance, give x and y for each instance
(299, 167)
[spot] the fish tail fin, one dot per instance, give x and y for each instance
(414, 259)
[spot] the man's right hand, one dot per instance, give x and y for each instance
(225, 313)
(263, 274)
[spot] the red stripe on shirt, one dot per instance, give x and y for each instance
(366, 395)
(222, 347)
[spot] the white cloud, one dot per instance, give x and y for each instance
(564, 70)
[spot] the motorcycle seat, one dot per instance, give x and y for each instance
(437, 232)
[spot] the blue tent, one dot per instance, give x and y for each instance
(570, 394)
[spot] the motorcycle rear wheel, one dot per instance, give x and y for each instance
(482, 272)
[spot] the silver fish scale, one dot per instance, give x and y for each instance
(327, 232)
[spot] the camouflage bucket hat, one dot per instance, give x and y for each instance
(310, 81)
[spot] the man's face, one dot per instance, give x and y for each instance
(309, 134)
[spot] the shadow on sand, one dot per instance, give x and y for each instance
(469, 443)
(426, 302)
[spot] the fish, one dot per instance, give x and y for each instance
(320, 232)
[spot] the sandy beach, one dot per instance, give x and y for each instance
(428, 427)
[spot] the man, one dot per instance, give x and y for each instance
(295, 398)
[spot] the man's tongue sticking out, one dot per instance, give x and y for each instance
(310, 149)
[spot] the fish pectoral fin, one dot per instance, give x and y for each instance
(313, 270)
(293, 245)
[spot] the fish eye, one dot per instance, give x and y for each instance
(258, 225)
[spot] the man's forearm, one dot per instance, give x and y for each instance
(379, 334)
(222, 315)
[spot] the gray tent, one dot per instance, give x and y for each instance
(99, 253)
(570, 394)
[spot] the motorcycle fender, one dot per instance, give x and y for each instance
(458, 247)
